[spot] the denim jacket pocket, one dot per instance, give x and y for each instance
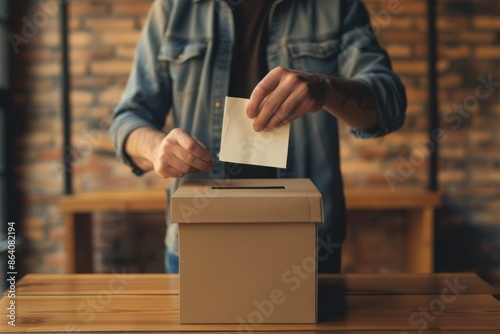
(314, 56)
(185, 61)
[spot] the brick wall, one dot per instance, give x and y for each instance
(103, 38)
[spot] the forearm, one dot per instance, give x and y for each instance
(141, 145)
(352, 102)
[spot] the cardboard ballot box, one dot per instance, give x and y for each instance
(247, 251)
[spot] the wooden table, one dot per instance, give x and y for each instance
(419, 203)
(351, 303)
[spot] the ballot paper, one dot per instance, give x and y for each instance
(241, 144)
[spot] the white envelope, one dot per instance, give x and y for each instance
(241, 144)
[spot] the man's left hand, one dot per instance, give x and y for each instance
(285, 95)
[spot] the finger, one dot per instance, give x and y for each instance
(165, 171)
(271, 105)
(192, 160)
(262, 90)
(192, 146)
(201, 143)
(289, 110)
(181, 166)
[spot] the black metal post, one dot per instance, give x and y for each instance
(10, 130)
(433, 94)
(66, 106)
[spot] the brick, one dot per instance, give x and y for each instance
(37, 55)
(487, 52)
(34, 84)
(141, 22)
(403, 37)
(120, 38)
(81, 98)
(400, 23)
(35, 234)
(91, 169)
(81, 39)
(126, 52)
(459, 52)
(78, 69)
(400, 51)
(100, 112)
(412, 67)
(350, 167)
(414, 7)
(448, 152)
(450, 80)
(49, 154)
(421, 51)
(452, 23)
(90, 82)
(486, 22)
(57, 260)
(45, 69)
(111, 67)
(121, 24)
(74, 24)
(50, 39)
(45, 98)
(127, 8)
(87, 55)
(33, 223)
(477, 137)
(468, 37)
(443, 65)
(110, 96)
(416, 94)
(451, 177)
(87, 8)
(483, 176)
(38, 168)
(378, 180)
(371, 152)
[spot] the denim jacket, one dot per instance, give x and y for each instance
(182, 66)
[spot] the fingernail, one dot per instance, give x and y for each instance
(267, 129)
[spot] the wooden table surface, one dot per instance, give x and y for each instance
(352, 303)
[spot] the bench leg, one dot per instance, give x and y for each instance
(79, 251)
(421, 241)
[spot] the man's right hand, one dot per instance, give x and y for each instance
(169, 155)
(179, 154)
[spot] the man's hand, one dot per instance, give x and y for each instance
(169, 155)
(179, 154)
(285, 95)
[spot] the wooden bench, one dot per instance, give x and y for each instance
(419, 203)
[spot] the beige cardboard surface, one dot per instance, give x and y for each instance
(255, 201)
(247, 250)
(248, 273)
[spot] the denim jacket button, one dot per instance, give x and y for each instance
(218, 104)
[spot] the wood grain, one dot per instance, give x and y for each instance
(155, 200)
(164, 284)
(160, 313)
(89, 284)
(366, 304)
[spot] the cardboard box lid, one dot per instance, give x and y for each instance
(247, 201)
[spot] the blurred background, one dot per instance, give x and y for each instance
(102, 38)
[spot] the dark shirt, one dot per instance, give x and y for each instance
(248, 67)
